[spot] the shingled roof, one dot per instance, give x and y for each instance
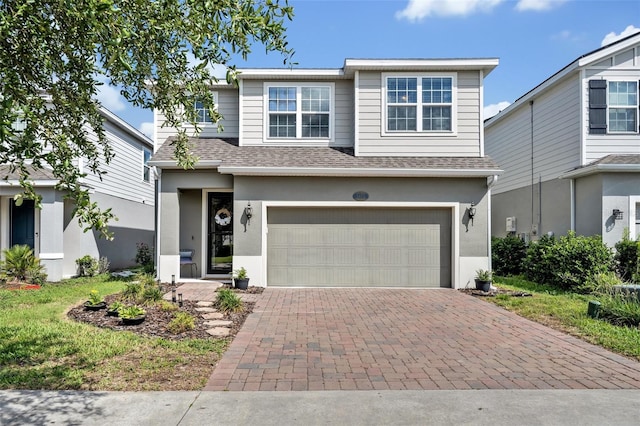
(243, 159)
(35, 174)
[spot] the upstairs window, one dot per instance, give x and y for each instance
(203, 115)
(613, 107)
(419, 104)
(299, 111)
(623, 106)
(146, 170)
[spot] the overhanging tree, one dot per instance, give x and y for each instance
(55, 53)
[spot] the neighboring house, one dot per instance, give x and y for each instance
(570, 149)
(358, 176)
(57, 239)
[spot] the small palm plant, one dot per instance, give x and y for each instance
(20, 264)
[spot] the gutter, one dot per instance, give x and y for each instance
(363, 172)
(172, 164)
(601, 168)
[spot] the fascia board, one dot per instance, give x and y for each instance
(36, 183)
(171, 164)
(601, 168)
(359, 172)
(608, 51)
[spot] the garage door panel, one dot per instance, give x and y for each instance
(359, 247)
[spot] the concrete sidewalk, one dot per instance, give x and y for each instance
(477, 407)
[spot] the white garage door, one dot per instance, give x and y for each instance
(359, 247)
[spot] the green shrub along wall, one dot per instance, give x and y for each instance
(569, 262)
(507, 255)
(626, 258)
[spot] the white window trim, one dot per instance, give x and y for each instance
(298, 139)
(144, 166)
(422, 133)
(609, 106)
(204, 124)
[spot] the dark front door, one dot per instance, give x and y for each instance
(23, 223)
(220, 232)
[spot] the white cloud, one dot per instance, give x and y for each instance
(567, 35)
(493, 109)
(611, 37)
(110, 97)
(417, 10)
(538, 5)
(147, 128)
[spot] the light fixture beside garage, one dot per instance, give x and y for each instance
(471, 211)
(248, 212)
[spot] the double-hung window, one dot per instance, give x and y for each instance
(301, 111)
(203, 114)
(146, 170)
(623, 106)
(613, 107)
(419, 103)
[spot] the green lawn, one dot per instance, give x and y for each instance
(40, 348)
(567, 312)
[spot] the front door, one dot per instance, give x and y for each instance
(220, 232)
(23, 223)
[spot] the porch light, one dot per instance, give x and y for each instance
(471, 211)
(248, 211)
(617, 214)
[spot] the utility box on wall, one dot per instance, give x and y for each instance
(511, 224)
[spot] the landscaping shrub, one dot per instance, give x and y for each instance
(601, 283)
(626, 258)
(536, 264)
(87, 266)
(20, 264)
(568, 262)
(507, 255)
(181, 322)
(620, 308)
(103, 265)
(144, 257)
(228, 301)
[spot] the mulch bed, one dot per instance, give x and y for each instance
(495, 292)
(18, 286)
(156, 321)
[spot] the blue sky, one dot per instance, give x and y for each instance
(532, 38)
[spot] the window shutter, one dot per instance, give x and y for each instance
(598, 107)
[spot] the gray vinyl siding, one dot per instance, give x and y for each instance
(556, 138)
(227, 106)
(253, 126)
(124, 177)
(370, 122)
(598, 146)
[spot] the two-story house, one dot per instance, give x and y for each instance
(372, 174)
(570, 148)
(56, 238)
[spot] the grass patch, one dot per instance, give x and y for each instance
(40, 348)
(567, 312)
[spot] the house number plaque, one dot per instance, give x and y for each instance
(360, 196)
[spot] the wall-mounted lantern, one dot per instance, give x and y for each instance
(248, 212)
(617, 214)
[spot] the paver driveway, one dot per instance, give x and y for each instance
(321, 339)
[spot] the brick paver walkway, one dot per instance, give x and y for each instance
(330, 339)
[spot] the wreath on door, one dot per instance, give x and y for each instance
(223, 217)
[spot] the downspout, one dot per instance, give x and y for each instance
(491, 180)
(158, 186)
(532, 171)
(572, 194)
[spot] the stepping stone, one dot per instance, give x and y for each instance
(219, 332)
(218, 323)
(206, 310)
(203, 303)
(213, 316)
